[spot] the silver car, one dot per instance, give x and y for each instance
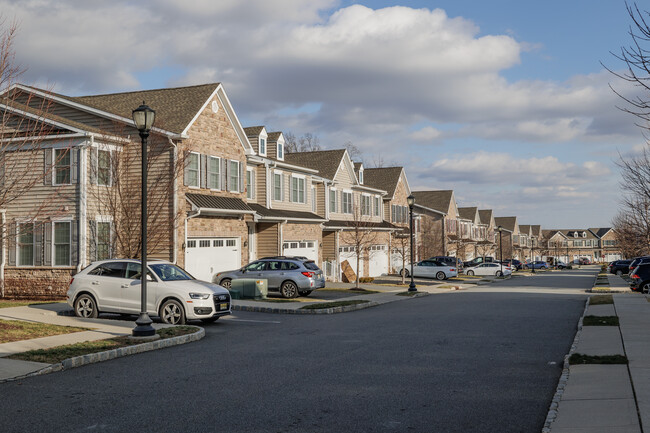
(431, 269)
(113, 286)
(291, 276)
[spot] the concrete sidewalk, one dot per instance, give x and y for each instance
(600, 398)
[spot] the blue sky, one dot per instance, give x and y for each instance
(505, 102)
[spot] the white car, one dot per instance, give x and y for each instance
(489, 269)
(113, 286)
(430, 269)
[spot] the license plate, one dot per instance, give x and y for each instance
(223, 306)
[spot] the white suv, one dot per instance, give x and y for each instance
(113, 286)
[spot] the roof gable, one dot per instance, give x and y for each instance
(385, 178)
(327, 162)
(469, 213)
(508, 223)
(442, 201)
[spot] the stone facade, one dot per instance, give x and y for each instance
(37, 282)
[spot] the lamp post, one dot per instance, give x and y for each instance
(500, 229)
(411, 201)
(531, 256)
(143, 118)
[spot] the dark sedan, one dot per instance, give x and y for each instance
(640, 277)
(619, 267)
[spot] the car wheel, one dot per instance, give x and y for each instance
(86, 307)
(499, 274)
(404, 273)
(470, 273)
(172, 312)
(289, 289)
(441, 276)
(210, 319)
(619, 272)
(226, 283)
(305, 293)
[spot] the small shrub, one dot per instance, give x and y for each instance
(578, 358)
(600, 321)
(366, 280)
(601, 299)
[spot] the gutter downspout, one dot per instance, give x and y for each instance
(4, 249)
(83, 203)
(175, 206)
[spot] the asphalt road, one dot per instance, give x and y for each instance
(484, 360)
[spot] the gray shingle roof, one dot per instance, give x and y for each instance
(279, 213)
(216, 202)
(524, 228)
(274, 136)
(175, 107)
(385, 178)
(437, 200)
(325, 161)
(600, 231)
(485, 215)
(253, 131)
(507, 223)
(468, 213)
(352, 224)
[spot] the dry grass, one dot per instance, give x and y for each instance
(17, 330)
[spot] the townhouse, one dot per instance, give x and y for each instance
(440, 205)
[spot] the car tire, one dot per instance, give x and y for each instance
(172, 312)
(305, 293)
(619, 272)
(289, 289)
(226, 283)
(404, 273)
(210, 319)
(499, 274)
(441, 276)
(470, 273)
(86, 307)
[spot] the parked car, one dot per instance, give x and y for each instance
(640, 278)
(113, 286)
(514, 264)
(430, 269)
(451, 261)
(537, 264)
(291, 276)
(477, 261)
(561, 265)
(637, 261)
(489, 269)
(619, 267)
(585, 261)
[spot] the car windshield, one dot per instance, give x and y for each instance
(169, 272)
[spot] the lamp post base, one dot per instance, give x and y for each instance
(412, 287)
(143, 326)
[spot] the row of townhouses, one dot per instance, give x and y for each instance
(221, 195)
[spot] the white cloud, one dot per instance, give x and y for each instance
(426, 134)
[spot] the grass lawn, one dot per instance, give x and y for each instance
(8, 303)
(58, 354)
(601, 300)
(351, 290)
(578, 358)
(17, 330)
(333, 304)
(600, 321)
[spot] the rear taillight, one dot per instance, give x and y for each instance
(452, 270)
(71, 280)
(308, 274)
(635, 276)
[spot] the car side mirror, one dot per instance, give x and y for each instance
(150, 278)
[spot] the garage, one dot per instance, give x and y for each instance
(349, 254)
(301, 248)
(206, 256)
(378, 261)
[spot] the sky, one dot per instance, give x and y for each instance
(505, 102)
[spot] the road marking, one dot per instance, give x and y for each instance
(252, 321)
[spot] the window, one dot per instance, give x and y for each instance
(193, 170)
(204, 243)
(584, 234)
(104, 167)
(111, 269)
(280, 151)
(233, 176)
(297, 189)
(103, 240)
(62, 243)
(361, 176)
(62, 167)
(262, 146)
(26, 244)
(231, 242)
(365, 205)
(249, 184)
(191, 244)
(376, 206)
(313, 199)
(277, 186)
(213, 172)
(346, 202)
(332, 200)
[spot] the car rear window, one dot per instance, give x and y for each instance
(111, 269)
(311, 266)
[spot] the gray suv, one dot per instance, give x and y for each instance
(291, 276)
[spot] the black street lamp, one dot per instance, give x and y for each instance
(531, 256)
(500, 229)
(411, 201)
(143, 117)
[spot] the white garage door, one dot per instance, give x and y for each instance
(205, 257)
(348, 253)
(303, 248)
(378, 264)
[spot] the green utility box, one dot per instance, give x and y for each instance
(249, 288)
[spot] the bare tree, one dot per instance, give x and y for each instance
(402, 249)
(308, 142)
(361, 235)
(355, 153)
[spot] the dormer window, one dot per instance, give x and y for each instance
(280, 151)
(262, 146)
(584, 234)
(575, 234)
(361, 177)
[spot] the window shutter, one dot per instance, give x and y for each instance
(253, 184)
(38, 244)
(242, 180)
(203, 159)
(112, 160)
(11, 244)
(94, 166)
(224, 177)
(186, 172)
(47, 167)
(74, 165)
(74, 228)
(92, 226)
(47, 244)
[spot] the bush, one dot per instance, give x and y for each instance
(366, 280)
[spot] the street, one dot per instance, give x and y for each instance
(482, 360)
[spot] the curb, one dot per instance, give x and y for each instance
(564, 378)
(92, 358)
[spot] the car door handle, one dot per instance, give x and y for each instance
(125, 286)
(95, 283)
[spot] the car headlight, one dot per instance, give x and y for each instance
(199, 295)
